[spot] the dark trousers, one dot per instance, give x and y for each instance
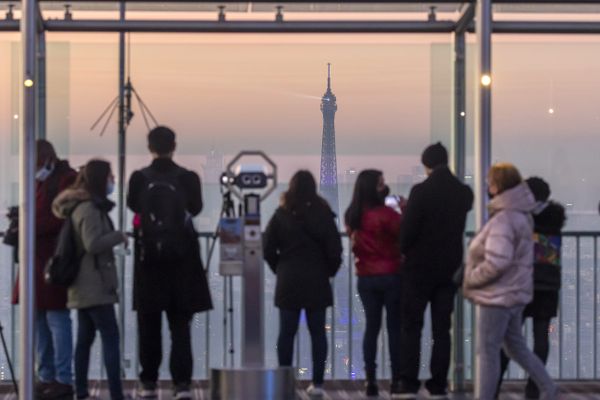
(377, 292)
(288, 326)
(100, 318)
(150, 351)
(541, 348)
(416, 294)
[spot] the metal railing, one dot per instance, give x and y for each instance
(573, 336)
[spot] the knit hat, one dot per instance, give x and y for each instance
(434, 156)
(539, 188)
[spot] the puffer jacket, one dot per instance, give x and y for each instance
(376, 244)
(499, 270)
(97, 282)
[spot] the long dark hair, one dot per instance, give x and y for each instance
(365, 196)
(302, 193)
(93, 178)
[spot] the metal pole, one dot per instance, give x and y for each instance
(458, 164)
(41, 86)
(27, 158)
(121, 172)
(483, 128)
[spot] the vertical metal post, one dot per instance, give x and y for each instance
(483, 108)
(350, 314)
(41, 86)
(458, 164)
(253, 328)
(27, 158)
(595, 308)
(483, 132)
(121, 177)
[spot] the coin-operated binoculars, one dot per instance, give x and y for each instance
(241, 255)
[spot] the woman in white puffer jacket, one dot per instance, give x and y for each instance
(499, 281)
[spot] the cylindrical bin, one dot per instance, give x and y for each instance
(253, 384)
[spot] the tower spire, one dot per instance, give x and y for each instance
(328, 76)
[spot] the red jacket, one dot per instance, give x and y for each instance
(376, 244)
(48, 297)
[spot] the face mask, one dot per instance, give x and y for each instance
(43, 173)
(384, 193)
(539, 207)
(110, 188)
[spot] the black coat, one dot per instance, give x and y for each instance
(434, 224)
(304, 250)
(548, 225)
(182, 286)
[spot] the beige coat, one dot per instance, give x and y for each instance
(97, 283)
(499, 270)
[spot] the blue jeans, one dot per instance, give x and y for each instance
(500, 328)
(376, 293)
(54, 346)
(99, 318)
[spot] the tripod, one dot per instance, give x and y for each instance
(114, 105)
(129, 91)
(8, 361)
(227, 210)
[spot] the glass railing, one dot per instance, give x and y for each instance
(216, 335)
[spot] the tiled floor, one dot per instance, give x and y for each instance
(349, 390)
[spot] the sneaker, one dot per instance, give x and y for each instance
(146, 390)
(315, 390)
(184, 394)
(401, 391)
(56, 390)
(371, 389)
(435, 394)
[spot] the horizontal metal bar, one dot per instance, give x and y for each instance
(165, 26)
(542, 27)
(251, 26)
(9, 26)
(569, 2)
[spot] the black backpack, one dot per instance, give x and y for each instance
(163, 226)
(62, 269)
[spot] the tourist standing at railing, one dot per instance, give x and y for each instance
(374, 229)
(168, 271)
(499, 281)
(95, 289)
(432, 241)
(53, 321)
(549, 219)
(302, 246)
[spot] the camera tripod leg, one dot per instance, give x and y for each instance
(10, 366)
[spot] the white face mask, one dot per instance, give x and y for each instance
(110, 188)
(43, 173)
(539, 207)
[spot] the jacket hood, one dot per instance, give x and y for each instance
(518, 198)
(66, 201)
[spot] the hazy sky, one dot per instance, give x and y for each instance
(233, 92)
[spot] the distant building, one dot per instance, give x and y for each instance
(214, 167)
(328, 182)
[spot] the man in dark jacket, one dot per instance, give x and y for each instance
(432, 241)
(54, 335)
(177, 286)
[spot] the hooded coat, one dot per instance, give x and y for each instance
(499, 269)
(96, 283)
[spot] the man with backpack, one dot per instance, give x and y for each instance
(53, 319)
(168, 272)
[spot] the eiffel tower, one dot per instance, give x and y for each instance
(328, 182)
